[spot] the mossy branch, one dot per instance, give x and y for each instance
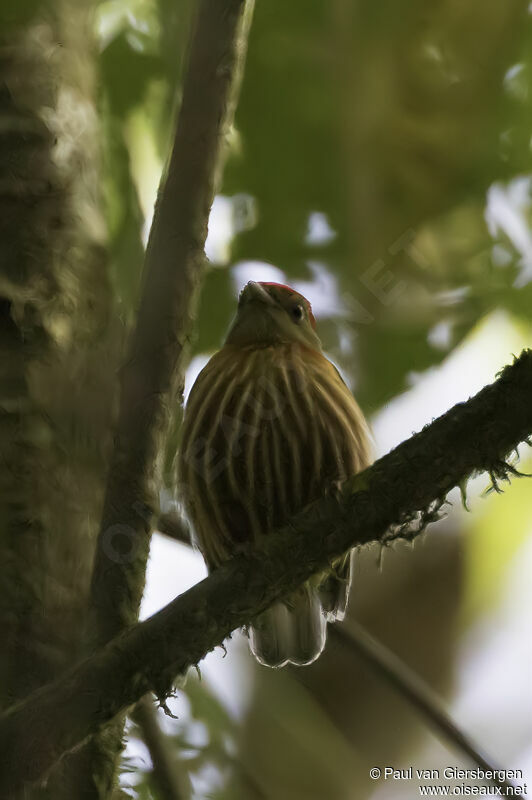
(472, 437)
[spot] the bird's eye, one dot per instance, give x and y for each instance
(297, 312)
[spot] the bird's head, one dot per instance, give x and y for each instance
(271, 313)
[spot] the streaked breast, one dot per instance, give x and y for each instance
(265, 431)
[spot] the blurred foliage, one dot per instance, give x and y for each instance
(142, 45)
(393, 125)
(380, 160)
(495, 533)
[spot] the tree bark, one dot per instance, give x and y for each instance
(57, 377)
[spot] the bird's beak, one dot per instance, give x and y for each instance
(254, 291)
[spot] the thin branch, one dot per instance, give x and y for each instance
(416, 691)
(471, 437)
(167, 778)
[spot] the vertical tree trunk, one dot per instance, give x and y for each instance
(56, 374)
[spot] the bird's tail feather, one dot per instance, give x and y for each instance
(293, 631)
(334, 591)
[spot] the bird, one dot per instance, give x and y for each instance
(269, 426)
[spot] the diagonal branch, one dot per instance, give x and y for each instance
(418, 693)
(471, 437)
